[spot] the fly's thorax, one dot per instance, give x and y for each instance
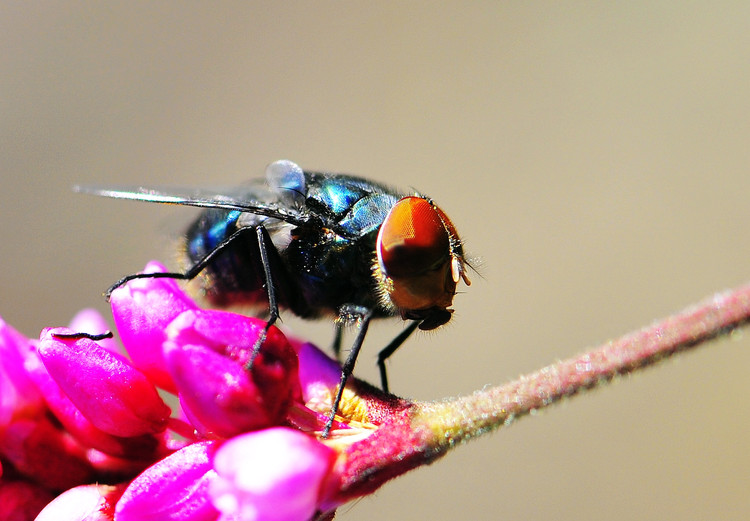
(419, 261)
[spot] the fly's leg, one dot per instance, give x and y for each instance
(90, 336)
(191, 273)
(364, 316)
(390, 349)
(263, 241)
(273, 307)
(337, 336)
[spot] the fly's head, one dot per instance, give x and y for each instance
(419, 262)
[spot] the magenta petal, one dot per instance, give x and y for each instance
(109, 392)
(217, 392)
(319, 375)
(270, 475)
(142, 309)
(226, 330)
(174, 489)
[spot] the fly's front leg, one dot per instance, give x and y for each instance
(390, 349)
(363, 316)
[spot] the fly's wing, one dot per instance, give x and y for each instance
(347, 204)
(281, 196)
(255, 198)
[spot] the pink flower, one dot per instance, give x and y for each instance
(319, 375)
(206, 355)
(111, 417)
(271, 475)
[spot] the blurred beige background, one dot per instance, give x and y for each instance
(595, 156)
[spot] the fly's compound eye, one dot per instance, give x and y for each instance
(413, 239)
(416, 256)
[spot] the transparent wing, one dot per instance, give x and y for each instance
(255, 198)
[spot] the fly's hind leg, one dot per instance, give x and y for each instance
(264, 243)
(191, 273)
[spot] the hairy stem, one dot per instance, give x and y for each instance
(418, 433)
(457, 420)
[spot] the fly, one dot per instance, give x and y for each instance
(319, 244)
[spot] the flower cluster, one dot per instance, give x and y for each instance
(82, 421)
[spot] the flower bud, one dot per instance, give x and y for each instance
(270, 475)
(206, 355)
(174, 489)
(109, 392)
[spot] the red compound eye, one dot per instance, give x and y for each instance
(412, 239)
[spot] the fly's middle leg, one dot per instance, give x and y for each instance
(264, 240)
